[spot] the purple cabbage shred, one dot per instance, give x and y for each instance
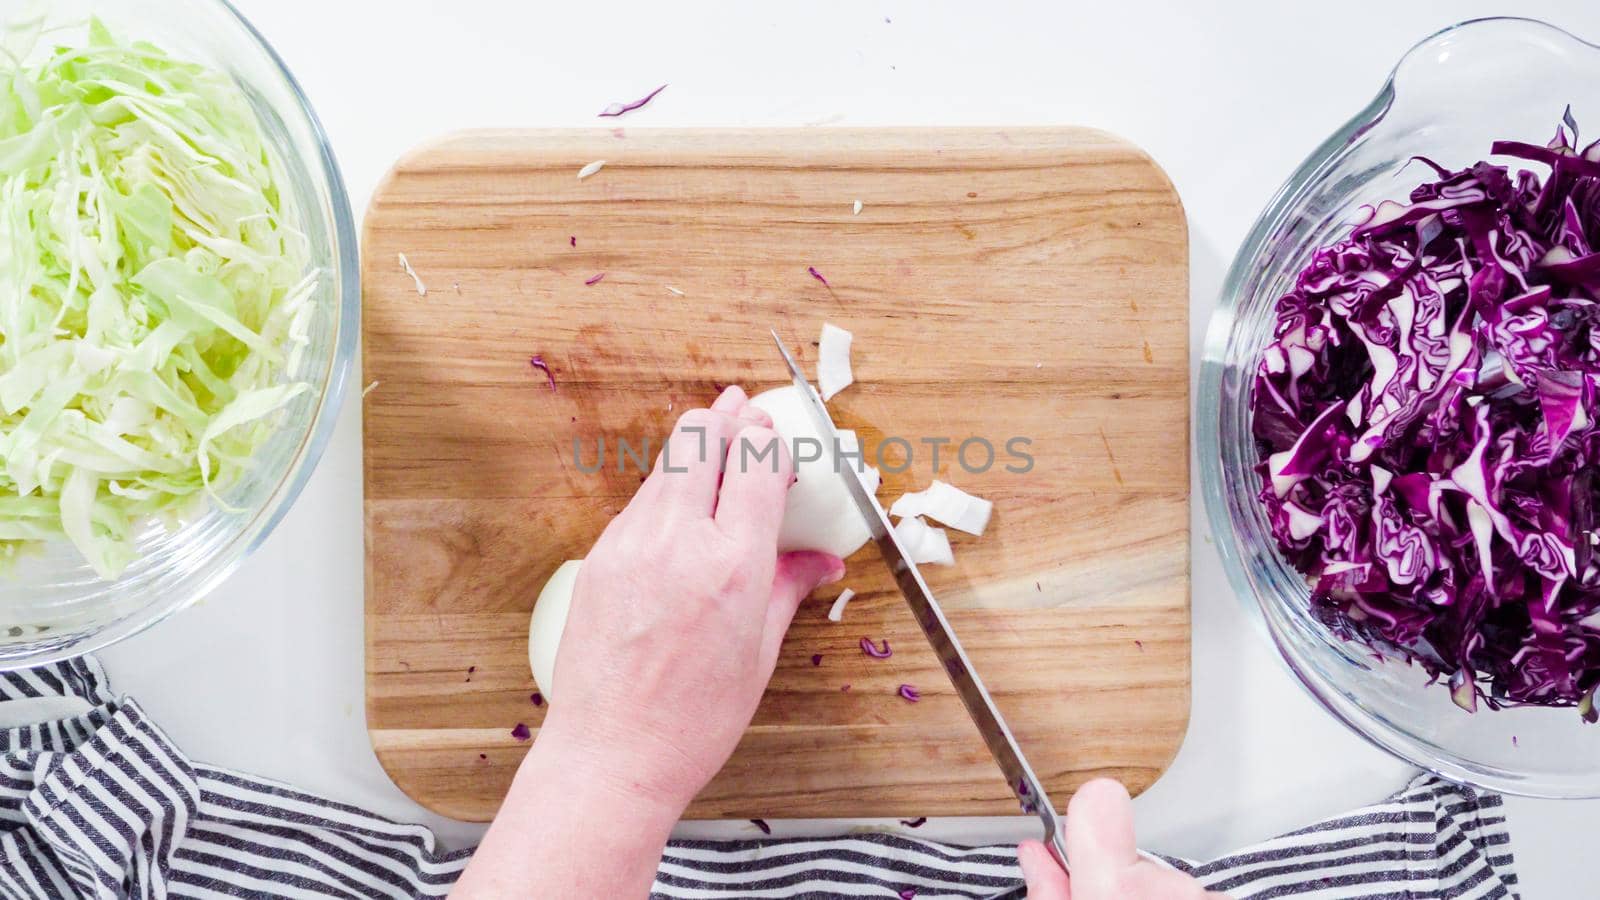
(538, 363)
(872, 650)
(617, 109)
(1425, 420)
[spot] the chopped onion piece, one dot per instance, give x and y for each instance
(871, 478)
(923, 543)
(674, 291)
(817, 275)
(856, 211)
(591, 168)
(946, 503)
(909, 693)
(596, 279)
(368, 389)
(405, 265)
(833, 360)
(836, 612)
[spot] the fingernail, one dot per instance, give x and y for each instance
(833, 577)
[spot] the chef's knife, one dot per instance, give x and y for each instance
(1019, 775)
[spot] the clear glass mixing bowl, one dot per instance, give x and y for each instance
(53, 606)
(1447, 99)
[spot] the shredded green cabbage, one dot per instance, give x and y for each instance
(154, 292)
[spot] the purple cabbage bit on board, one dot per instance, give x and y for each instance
(762, 824)
(1425, 420)
(818, 276)
(538, 363)
(521, 732)
(918, 822)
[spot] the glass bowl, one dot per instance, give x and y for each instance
(53, 606)
(1447, 99)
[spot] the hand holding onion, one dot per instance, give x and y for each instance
(679, 609)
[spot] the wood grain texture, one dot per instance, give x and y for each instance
(1028, 283)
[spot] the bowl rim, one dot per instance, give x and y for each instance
(1213, 481)
(346, 253)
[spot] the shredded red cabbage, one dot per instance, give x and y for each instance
(816, 659)
(918, 822)
(596, 279)
(521, 732)
(909, 693)
(573, 240)
(908, 894)
(536, 698)
(845, 689)
(1425, 417)
(817, 275)
(538, 363)
(762, 824)
(871, 650)
(617, 109)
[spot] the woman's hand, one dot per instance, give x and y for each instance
(1106, 864)
(676, 621)
(681, 606)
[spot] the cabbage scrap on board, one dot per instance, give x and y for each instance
(1425, 417)
(153, 292)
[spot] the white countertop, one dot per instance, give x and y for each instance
(266, 675)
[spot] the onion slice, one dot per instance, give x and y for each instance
(833, 360)
(836, 611)
(923, 543)
(946, 503)
(405, 266)
(591, 168)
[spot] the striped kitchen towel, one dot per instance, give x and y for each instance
(101, 804)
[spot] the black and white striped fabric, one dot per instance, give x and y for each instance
(101, 804)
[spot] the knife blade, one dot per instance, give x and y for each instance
(930, 616)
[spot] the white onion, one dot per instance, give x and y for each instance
(549, 621)
(944, 502)
(836, 611)
(833, 360)
(821, 515)
(923, 543)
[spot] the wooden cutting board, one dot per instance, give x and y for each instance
(1019, 283)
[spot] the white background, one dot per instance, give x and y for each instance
(266, 675)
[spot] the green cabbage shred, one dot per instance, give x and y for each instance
(155, 294)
